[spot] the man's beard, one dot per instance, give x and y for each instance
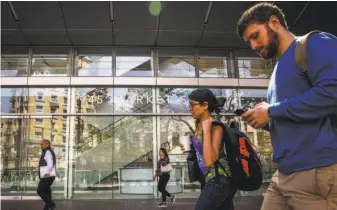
(273, 45)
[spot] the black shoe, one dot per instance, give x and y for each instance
(52, 208)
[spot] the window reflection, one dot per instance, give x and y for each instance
(39, 95)
(251, 97)
(174, 100)
(20, 153)
(118, 100)
(50, 65)
(214, 67)
(105, 146)
(137, 63)
(39, 108)
(38, 121)
(94, 100)
(14, 65)
(93, 65)
(11, 135)
(137, 100)
(133, 66)
(47, 100)
(14, 100)
(176, 66)
(254, 67)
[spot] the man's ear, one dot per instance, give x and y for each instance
(274, 23)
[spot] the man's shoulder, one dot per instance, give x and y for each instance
(322, 40)
(50, 150)
(323, 36)
(321, 49)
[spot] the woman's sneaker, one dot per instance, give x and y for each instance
(173, 199)
(162, 205)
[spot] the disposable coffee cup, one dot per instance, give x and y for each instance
(185, 141)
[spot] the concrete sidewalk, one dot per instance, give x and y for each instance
(241, 203)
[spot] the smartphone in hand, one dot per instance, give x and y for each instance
(239, 112)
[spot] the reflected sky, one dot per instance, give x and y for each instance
(7, 96)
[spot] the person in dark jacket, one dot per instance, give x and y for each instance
(164, 177)
(47, 172)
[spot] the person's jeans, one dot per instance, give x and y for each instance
(216, 196)
(163, 180)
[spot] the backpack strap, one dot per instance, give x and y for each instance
(301, 51)
(217, 162)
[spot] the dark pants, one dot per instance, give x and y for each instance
(202, 180)
(163, 179)
(44, 191)
(202, 185)
(216, 196)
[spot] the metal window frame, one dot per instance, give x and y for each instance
(72, 55)
(133, 82)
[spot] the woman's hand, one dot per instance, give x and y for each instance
(207, 125)
(154, 178)
(182, 148)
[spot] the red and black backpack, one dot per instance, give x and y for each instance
(243, 161)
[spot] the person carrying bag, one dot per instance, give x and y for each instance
(164, 168)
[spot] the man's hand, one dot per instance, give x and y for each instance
(258, 116)
(154, 178)
(46, 176)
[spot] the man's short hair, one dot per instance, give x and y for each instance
(46, 140)
(260, 14)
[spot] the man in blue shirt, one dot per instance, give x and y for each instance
(303, 136)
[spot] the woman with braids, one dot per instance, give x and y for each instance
(164, 176)
(217, 194)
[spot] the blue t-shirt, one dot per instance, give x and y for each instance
(301, 133)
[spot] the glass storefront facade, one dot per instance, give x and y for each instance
(133, 62)
(105, 136)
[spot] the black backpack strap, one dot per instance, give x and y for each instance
(217, 177)
(217, 162)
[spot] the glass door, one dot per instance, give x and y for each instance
(12, 133)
